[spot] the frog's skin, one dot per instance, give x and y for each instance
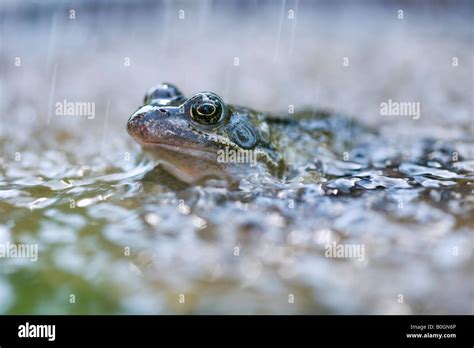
(186, 135)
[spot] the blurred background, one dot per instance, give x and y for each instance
(266, 55)
(286, 52)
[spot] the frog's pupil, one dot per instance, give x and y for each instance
(206, 109)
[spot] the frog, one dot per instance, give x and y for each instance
(202, 137)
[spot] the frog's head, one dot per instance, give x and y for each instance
(202, 136)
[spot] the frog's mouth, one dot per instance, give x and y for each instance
(187, 163)
(190, 151)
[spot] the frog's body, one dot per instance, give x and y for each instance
(191, 137)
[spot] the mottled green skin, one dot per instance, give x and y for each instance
(165, 127)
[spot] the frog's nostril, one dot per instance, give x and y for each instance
(163, 111)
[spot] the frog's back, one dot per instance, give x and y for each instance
(307, 136)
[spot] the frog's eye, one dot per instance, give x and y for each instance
(243, 135)
(163, 94)
(206, 108)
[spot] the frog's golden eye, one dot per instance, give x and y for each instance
(206, 113)
(206, 108)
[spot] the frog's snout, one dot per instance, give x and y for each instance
(133, 124)
(150, 123)
(137, 123)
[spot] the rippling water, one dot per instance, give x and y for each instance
(116, 235)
